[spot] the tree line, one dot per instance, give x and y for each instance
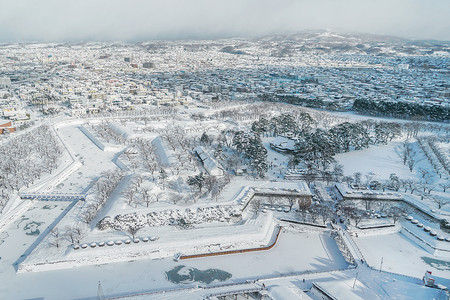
(402, 110)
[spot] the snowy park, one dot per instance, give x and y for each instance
(168, 199)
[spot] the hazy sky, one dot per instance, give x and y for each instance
(137, 20)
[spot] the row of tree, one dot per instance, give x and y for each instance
(107, 134)
(103, 189)
(139, 192)
(402, 110)
(296, 100)
(71, 233)
(398, 109)
(395, 183)
(355, 212)
(139, 114)
(308, 211)
(435, 155)
(133, 222)
(25, 157)
(213, 184)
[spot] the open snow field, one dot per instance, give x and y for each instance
(379, 159)
(17, 238)
(21, 233)
(94, 161)
(295, 251)
(401, 255)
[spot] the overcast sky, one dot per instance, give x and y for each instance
(139, 20)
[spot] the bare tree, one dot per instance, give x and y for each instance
(431, 188)
(158, 196)
(130, 194)
(411, 161)
(138, 180)
(256, 204)
(440, 201)
(55, 237)
(175, 197)
(271, 199)
(89, 213)
(209, 182)
(425, 175)
(396, 213)
(133, 228)
(368, 204)
(303, 204)
(146, 196)
(74, 233)
(352, 212)
(325, 212)
(348, 179)
(357, 177)
(404, 151)
(357, 216)
(412, 185)
(445, 185)
(383, 206)
(291, 200)
(70, 234)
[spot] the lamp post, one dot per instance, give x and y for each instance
(381, 264)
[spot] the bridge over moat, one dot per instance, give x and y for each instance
(53, 197)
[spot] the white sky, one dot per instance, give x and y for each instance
(137, 20)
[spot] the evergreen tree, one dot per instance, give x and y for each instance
(197, 181)
(261, 126)
(205, 139)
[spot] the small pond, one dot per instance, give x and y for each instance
(31, 228)
(183, 274)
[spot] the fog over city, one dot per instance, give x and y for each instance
(132, 20)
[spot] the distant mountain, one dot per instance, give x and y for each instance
(326, 41)
(330, 36)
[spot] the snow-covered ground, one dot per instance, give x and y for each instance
(141, 267)
(318, 253)
(400, 255)
(93, 160)
(216, 237)
(278, 161)
(17, 239)
(382, 160)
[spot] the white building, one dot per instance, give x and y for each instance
(210, 165)
(5, 81)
